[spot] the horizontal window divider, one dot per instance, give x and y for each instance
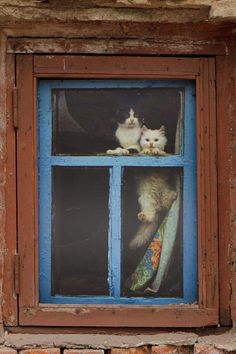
(100, 300)
(73, 161)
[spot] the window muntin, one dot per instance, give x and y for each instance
(47, 162)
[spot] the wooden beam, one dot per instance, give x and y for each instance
(177, 15)
(120, 29)
(106, 46)
(150, 4)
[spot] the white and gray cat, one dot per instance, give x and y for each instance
(154, 195)
(153, 142)
(128, 134)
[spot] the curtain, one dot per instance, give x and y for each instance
(150, 272)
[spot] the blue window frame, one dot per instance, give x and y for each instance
(116, 166)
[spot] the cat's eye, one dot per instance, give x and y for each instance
(156, 139)
(147, 139)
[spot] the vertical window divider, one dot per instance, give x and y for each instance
(190, 212)
(114, 259)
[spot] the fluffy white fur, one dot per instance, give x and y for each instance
(128, 134)
(155, 194)
(153, 142)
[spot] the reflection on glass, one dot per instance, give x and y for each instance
(80, 231)
(86, 121)
(152, 237)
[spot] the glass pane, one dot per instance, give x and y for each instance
(80, 231)
(152, 232)
(87, 121)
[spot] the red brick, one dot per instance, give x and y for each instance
(140, 350)
(5, 350)
(206, 349)
(83, 351)
(41, 351)
(171, 349)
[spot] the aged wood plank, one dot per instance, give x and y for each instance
(26, 174)
(207, 184)
(10, 311)
(120, 29)
(95, 66)
(212, 206)
(3, 157)
(111, 46)
(231, 110)
(108, 3)
(62, 14)
(119, 316)
(223, 162)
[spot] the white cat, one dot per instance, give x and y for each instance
(128, 134)
(153, 142)
(155, 195)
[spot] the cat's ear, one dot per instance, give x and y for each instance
(162, 129)
(144, 128)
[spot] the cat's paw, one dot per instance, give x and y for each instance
(110, 152)
(145, 217)
(125, 152)
(142, 216)
(145, 152)
(118, 152)
(158, 152)
(135, 243)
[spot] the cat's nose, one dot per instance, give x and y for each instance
(151, 144)
(131, 120)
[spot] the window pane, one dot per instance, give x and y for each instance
(152, 232)
(85, 121)
(80, 231)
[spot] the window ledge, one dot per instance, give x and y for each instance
(219, 338)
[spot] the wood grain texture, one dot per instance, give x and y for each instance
(207, 184)
(115, 46)
(223, 163)
(118, 316)
(10, 311)
(3, 111)
(231, 110)
(100, 66)
(65, 14)
(204, 31)
(26, 175)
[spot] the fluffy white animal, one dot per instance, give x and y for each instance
(128, 134)
(153, 142)
(154, 195)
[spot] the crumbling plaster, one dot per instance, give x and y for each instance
(170, 11)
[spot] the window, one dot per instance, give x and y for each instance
(88, 201)
(83, 192)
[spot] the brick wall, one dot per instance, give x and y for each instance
(198, 348)
(215, 341)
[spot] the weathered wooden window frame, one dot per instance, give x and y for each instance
(28, 69)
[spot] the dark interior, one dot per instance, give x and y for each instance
(80, 232)
(85, 120)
